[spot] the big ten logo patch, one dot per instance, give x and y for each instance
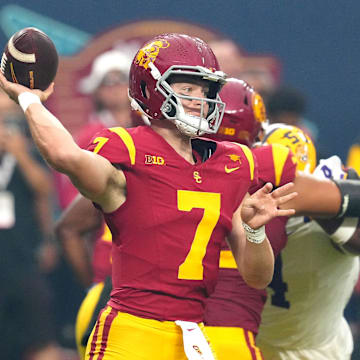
(154, 160)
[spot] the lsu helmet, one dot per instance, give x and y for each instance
(158, 63)
(296, 140)
(244, 113)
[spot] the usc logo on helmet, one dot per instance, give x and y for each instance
(150, 52)
(258, 108)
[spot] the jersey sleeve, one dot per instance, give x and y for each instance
(253, 165)
(250, 161)
(115, 144)
(276, 164)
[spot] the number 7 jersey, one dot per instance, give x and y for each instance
(167, 235)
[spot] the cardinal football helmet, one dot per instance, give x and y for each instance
(244, 113)
(296, 140)
(158, 63)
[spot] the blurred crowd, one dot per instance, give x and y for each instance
(40, 288)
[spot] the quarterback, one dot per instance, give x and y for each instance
(169, 201)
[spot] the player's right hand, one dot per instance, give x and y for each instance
(13, 90)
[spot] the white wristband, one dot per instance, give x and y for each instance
(344, 233)
(26, 99)
(256, 236)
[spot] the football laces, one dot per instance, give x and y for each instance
(3, 63)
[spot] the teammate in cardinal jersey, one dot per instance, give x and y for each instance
(79, 226)
(233, 311)
(168, 200)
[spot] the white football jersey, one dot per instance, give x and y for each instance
(312, 284)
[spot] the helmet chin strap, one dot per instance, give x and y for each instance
(188, 129)
(190, 125)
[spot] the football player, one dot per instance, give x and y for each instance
(314, 276)
(233, 311)
(78, 224)
(168, 200)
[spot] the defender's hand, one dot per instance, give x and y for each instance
(262, 206)
(14, 90)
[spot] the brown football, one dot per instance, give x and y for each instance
(30, 59)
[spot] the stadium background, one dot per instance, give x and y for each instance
(316, 42)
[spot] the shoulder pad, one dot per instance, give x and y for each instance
(115, 144)
(276, 164)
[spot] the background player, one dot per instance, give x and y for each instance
(234, 309)
(159, 272)
(26, 299)
(86, 241)
(314, 277)
(107, 83)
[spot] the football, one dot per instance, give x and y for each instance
(30, 59)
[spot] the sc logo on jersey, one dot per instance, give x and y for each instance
(154, 160)
(197, 177)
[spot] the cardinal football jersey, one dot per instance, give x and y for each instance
(234, 303)
(167, 235)
(302, 283)
(101, 261)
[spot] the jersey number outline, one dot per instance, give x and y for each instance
(279, 286)
(192, 268)
(101, 141)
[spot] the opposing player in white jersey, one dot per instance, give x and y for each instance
(314, 277)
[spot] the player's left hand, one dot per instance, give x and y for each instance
(262, 206)
(13, 90)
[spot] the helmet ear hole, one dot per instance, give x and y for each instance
(144, 91)
(214, 89)
(170, 109)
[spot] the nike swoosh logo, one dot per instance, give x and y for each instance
(230, 170)
(191, 329)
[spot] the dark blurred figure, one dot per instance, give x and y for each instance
(26, 323)
(288, 105)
